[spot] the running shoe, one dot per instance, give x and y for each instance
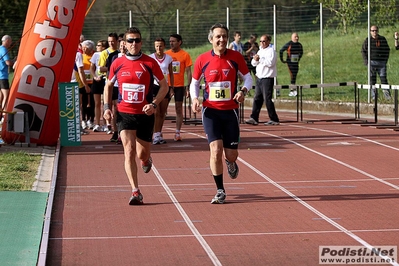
(251, 121)
(108, 130)
(119, 141)
(97, 128)
(232, 169)
(272, 123)
(146, 165)
(219, 197)
(89, 124)
(162, 141)
(136, 198)
(114, 137)
(293, 93)
(156, 141)
(84, 124)
(177, 137)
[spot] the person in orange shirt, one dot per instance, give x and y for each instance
(181, 66)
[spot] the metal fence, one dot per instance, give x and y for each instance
(279, 21)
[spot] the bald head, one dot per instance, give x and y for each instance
(295, 37)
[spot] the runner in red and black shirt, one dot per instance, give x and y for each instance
(135, 73)
(220, 68)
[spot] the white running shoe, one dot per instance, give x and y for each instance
(84, 124)
(97, 128)
(219, 197)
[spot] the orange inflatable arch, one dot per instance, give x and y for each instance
(46, 57)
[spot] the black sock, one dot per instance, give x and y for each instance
(219, 181)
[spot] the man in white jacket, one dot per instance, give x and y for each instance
(265, 63)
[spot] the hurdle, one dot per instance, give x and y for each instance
(190, 118)
(395, 89)
(298, 103)
(326, 85)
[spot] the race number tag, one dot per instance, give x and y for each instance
(220, 91)
(295, 58)
(88, 76)
(176, 67)
(133, 93)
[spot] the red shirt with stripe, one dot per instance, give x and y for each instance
(220, 74)
(135, 78)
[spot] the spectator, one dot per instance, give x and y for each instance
(104, 64)
(396, 36)
(181, 65)
(115, 92)
(294, 54)
(87, 100)
(220, 103)
(135, 116)
(265, 62)
(251, 47)
(97, 88)
(78, 75)
(236, 45)
(5, 63)
(165, 62)
(379, 55)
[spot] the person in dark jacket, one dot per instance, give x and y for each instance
(379, 54)
(294, 54)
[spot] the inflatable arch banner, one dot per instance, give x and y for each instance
(46, 57)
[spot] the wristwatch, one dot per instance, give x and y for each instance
(245, 91)
(154, 105)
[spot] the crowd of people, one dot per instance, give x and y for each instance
(126, 93)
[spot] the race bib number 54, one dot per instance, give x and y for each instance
(220, 91)
(133, 93)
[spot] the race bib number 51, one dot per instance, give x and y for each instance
(220, 91)
(133, 93)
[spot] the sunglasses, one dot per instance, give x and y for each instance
(132, 40)
(98, 45)
(374, 30)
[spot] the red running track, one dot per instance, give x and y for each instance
(301, 186)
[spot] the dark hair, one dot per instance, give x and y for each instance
(104, 43)
(159, 39)
(132, 30)
(216, 26)
(177, 36)
(237, 32)
(114, 35)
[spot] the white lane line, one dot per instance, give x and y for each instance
(314, 210)
(333, 159)
(187, 219)
(348, 135)
(235, 183)
(305, 204)
(388, 230)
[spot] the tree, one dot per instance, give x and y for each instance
(348, 12)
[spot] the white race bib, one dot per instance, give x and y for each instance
(88, 75)
(133, 93)
(176, 67)
(295, 58)
(220, 91)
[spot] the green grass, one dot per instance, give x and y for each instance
(342, 59)
(18, 170)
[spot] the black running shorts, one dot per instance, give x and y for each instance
(142, 123)
(222, 124)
